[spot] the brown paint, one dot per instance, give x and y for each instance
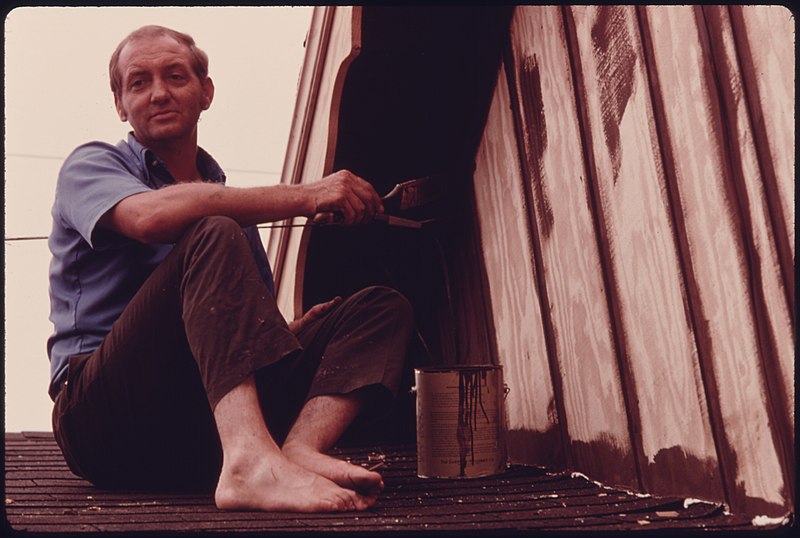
(762, 145)
(684, 474)
(548, 328)
(776, 394)
(620, 468)
(470, 400)
(535, 133)
(613, 292)
(536, 447)
(693, 305)
(616, 61)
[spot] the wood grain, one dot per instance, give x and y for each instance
(695, 129)
(573, 276)
(521, 348)
(765, 39)
(768, 294)
(658, 356)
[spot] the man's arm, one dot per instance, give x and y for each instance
(161, 216)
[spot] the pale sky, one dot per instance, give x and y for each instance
(57, 96)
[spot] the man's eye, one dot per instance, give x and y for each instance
(136, 83)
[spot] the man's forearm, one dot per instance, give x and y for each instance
(162, 215)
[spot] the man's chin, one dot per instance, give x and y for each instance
(162, 135)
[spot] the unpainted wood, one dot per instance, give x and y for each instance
(663, 382)
(697, 132)
(593, 401)
(521, 349)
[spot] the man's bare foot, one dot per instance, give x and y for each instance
(278, 484)
(341, 472)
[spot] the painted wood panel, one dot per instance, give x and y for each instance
(634, 196)
(299, 134)
(583, 343)
(701, 141)
(663, 382)
(765, 38)
(768, 296)
(339, 46)
(531, 410)
(759, 173)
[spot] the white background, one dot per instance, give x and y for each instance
(57, 96)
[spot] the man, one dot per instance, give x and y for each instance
(171, 365)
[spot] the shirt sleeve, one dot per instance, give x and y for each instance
(93, 179)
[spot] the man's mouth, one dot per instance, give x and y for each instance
(163, 115)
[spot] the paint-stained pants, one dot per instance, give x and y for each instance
(138, 411)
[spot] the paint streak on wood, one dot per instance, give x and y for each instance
(583, 342)
(774, 329)
(767, 82)
(697, 132)
(535, 139)
(515, 306)
(616, 59)
(342, 46)
(663, 383)
(765, 37)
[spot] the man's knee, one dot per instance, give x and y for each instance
(216, 227)
(215, 233)
(389, 301)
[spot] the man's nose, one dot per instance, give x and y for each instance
(159, 91)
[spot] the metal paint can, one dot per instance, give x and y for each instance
(461, 428)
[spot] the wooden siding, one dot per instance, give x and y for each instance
(333, 43)
(634, 188)
(521, 347)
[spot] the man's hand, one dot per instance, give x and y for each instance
(315, 312)
(345, 198)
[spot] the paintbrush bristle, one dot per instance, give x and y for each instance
(414, 193)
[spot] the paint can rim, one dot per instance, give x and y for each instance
(460, 368)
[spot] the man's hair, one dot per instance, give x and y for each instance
(199, 58)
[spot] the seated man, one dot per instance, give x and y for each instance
(171, 364)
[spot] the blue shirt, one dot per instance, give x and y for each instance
(94, 273)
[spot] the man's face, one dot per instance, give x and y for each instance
(160, 95)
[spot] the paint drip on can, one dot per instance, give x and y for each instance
(460, 421)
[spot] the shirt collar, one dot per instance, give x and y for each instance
(157, 172)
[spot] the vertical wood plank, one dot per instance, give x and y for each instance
(699, 146)
(315, 157)
(768, 295)
(764, 38)
(521, 350)
(574, 288)
(765, 41)
(655, 341)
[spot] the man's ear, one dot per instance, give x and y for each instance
(208, 92)
(123, 116)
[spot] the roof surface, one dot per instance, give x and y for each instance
(42, 496)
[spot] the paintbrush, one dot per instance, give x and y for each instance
(413, 193)
(404, 195)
